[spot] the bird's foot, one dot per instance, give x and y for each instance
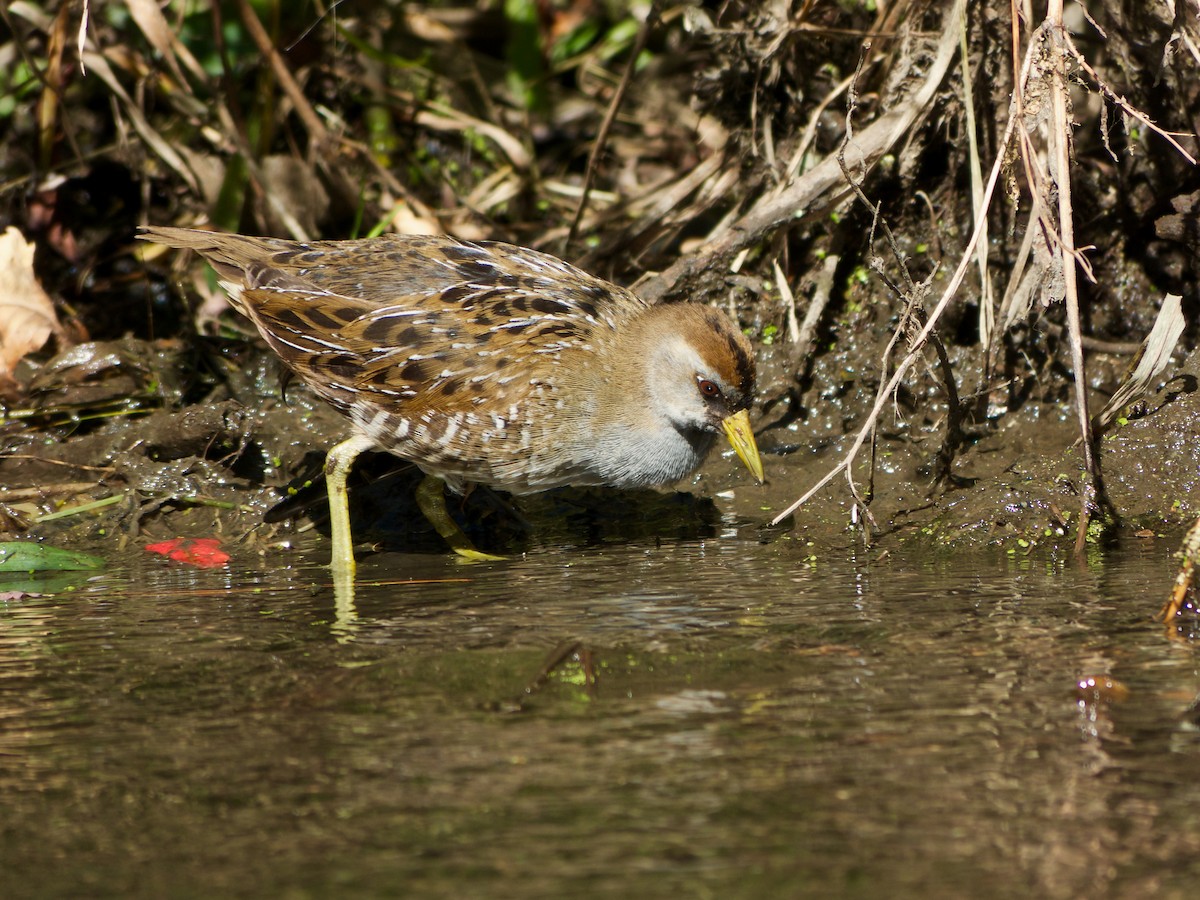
(431, 498)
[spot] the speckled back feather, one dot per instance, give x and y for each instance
(426, 343)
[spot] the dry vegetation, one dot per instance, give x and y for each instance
(877, 190)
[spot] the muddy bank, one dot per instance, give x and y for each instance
(245, 463)
(822, 171)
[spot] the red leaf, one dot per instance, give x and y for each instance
(204, 553)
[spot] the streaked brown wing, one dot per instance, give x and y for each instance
(406, 271)
(385, 330)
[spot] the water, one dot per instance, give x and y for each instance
(728, 719)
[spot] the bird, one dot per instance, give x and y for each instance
(487, 363)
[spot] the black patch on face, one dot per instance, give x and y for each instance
(744, 364)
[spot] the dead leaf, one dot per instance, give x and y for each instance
(1152, 359)
(153, 24)
(27, 317)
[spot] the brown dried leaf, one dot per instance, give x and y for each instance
(27, 317)
(294, 184)
(1152, 359)
(153, 24)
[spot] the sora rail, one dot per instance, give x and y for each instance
(488, 363)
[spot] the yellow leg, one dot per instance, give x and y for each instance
(337, 466)
(431, 498)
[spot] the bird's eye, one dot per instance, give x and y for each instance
(708, 389)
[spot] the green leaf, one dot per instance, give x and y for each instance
(526, 68)
(26, 556)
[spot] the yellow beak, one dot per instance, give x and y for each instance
(737, 429)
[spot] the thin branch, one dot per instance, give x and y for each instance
(1061, 156)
